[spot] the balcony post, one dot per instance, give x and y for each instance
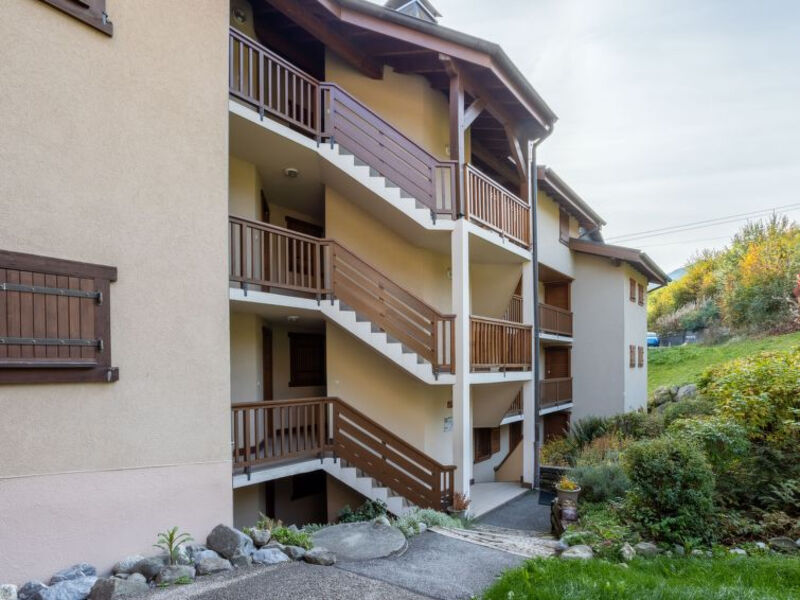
(457, 150)
(528, 399)
(462, 402)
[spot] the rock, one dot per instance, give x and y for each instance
(137, 577)
(29, 590)
(269, 556)
(697, 552)
(738, 551)
(320, 556)
(74, 572)
(381, 521)
(686, 391)
(213, 564)
(8, 592)
(761, 545)
(172, 573)
(646, 549)
(228, 541)
(627, 553)
(242, 560)
(114, 588)
(783, 544)
(260, 537)
(661, 396)
(274, 544)
(421, 527)
(70, 589)
(193, 550)
(127, 564)
(797, 542)
(293, 527)
(561, 546)
(579, 552)
(183, 556)
(150, 566)
(679, 550)
(673, 390)
(203, 554)
(294, 552)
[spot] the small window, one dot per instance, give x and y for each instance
(640, 351)
(563, 226)
(54, 320)
(631, 356)
(91, 12)
(640, 290)
(632, 294)
(306, 359)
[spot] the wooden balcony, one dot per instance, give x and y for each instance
(515, 409)
(499, 345)
(514, 310)
(555, 320)
(324, 111)
(555, 391)
(270, 433)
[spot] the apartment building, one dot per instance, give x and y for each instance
(307, 227)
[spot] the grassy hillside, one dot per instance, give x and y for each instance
(683, 364)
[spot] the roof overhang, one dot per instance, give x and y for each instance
(635, 258)
(568, 199)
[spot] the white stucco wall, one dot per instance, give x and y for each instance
(635, 317)
(551, 251)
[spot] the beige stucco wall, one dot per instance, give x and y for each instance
(338, 495)
(491, 287)
(599, 352)
(511, 470)
(114, 151)
(244, 186)
(384, 392)
(635, 317)
(248, 504)
(421, 271)
(551, 251)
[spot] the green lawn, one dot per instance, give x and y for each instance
(683, 364)
(736, 578)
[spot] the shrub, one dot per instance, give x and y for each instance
(292, 537)
(723, 441)
(582, 432)
(371, 509)
(600, 483)
(636, 425)
(556, 453)
(671, 494)
(685, 409)
(409, 523)
(606, 448)
(268, 523)
(170, 541)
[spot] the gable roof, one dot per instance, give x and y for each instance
(568, 199)
(635, 258)
(426, 6)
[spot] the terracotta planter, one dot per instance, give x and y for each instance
(568, 495)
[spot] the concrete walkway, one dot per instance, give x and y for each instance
(523, 512)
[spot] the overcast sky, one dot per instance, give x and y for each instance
(670, 111)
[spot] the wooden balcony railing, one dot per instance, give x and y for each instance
(268, 257)
(514, 310)
(499, 344)
(267, 433)
(553, 319)
(493, 206)
(516, 406)
(555, 391)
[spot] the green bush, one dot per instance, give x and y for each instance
(371, 509)
(724, 442)
(600, 483)
(671, 494)
(292, 537)
(686, 409)
(636, 425)
(409, 523)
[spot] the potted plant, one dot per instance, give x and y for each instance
(460, 505)
(568, 490)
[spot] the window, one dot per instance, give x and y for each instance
(306, 359)
(91, 12)
(640, 351)
(631, 356)
(54, 320)
(640, 290)
(486, 441)
(563, 226)
(632, 294)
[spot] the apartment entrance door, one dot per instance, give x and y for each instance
(556, 363)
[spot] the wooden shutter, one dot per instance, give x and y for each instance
(91, 12)
(495, 440)
(640, 289)
(631, 356)
(54, 320)
(640, 350)
(306, 359)
(563, 226)
(632, 294)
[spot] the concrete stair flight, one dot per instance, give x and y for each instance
(368, 486)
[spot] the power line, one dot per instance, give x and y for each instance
(699, 224)
(721, 237)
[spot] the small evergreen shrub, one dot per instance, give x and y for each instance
(603, 482)
(371, 509)
(409, 523)
(686, 409)
(672, 487)
(292, 537)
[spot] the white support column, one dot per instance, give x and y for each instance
(462, 411)
(528, 402)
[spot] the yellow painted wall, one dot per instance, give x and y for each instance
(492, 286)
(248, 503)
(421, 271)
(338, 495)
(552, 252)
(244, 186)
(511, 470)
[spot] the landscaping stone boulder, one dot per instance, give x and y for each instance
(783, 544)
(74, 572)
(320, 556)
(381, 521)
(150, 566)
(579, 552)
(679, 550)
(202, 554)
(127, 564)
(70, 589)
(294, 552)
(761, 546)
(269, 556)
(797, 542)
(698, 552)
(561, 546)
(686, 391)
(260, 537)
(213, 564)
(661, 395)
(114, 588)
(137, 577)
(647, 549)
(228, 541)
(274, 544)
(421, 527)
(172, 573)
(738, 551)
(8, 592)
(29, 590)
(627, 553)
(242, 560)
(193, 550)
